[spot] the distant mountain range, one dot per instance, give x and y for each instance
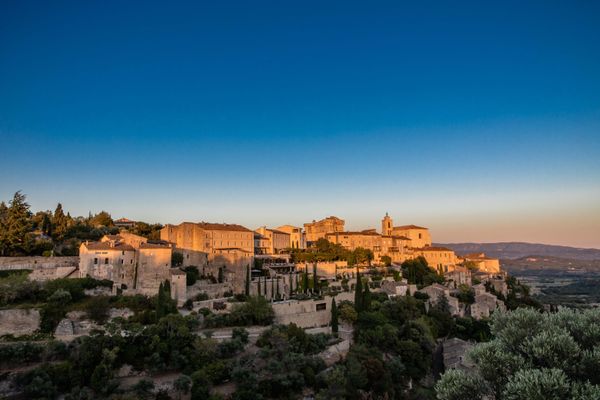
(514, 250)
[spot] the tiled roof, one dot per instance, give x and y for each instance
(222, 227)
(107, 246)
(433, 249)
(402, 227)
(368, 233)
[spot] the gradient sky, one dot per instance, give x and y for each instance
(480, 120)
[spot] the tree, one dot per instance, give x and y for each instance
(102, 219)
(386, 260)
(59, 221)
(176, 259)
(358, 292)
(366, 298)
(535, 356)
(259, 291)
(334, 318)
(3, 228)
(182, 384)
(221, 275)
(17, 223)
(315, 279)
(305, 281)
(143, 389)
(247, 288)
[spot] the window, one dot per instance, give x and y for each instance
(321, 306)
(95, 261)
(419, 236)
(106, 260)
(121, 261)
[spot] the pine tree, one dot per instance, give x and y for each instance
(291, 285)
(59, 220)
(221, 275)
(278, 296)
(358, 293)
(248, 280)
(18, 222)
(334, 318)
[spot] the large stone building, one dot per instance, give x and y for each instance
(439, 258)
(418, 235)
(212, 246)
(270, 241)
(484, 263)
(391, 246)
(297, 236)
(319, 229)
(131, 262)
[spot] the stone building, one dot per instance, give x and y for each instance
(319, 229)
(129, 261)
(211, 245)
(391, 246)
(297, 236)
(436, 292)
(271, 241)
(484, 263)
(418, 235)
(439, 258)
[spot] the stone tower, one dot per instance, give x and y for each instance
(387, 225)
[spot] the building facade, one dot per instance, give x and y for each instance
(272, 241)
(297, 236)
(129, 261)
(319, 229)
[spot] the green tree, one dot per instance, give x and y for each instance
(366, 298)
(143, 389)
(3, 229)
(59, 221)
(176, 259)
(334, 318)
(102, 219)
(386, 260)
(221, 275)
(315, 279)
(182, 384)
(247, 288)
(358, 292)
(18, 223)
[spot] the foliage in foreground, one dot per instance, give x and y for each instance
(533, 356)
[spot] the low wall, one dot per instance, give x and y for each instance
(42, 268)
(307, 313)
(19, 321)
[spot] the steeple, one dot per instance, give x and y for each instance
(387, 225)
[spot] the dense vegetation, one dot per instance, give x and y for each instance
(533, 356)
(327, 251)
(23, 233)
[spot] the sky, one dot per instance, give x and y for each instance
(480, 120)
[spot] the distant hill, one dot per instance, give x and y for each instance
(514, 250)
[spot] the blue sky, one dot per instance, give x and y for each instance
(480, 120)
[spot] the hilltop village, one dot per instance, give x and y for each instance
(232, 257)
(217, 310)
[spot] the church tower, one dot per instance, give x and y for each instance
(387, 225)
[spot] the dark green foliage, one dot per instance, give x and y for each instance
(241, 334)
(358, 293)
(417, 271)
(97, 308)
(248, 279)
(176, 259)
(191, 275)
(164, 303)
(334, 317)
(221, 275)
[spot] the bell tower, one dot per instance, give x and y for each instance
(387, 225)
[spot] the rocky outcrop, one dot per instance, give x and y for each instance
(64, 328)
(19, 321)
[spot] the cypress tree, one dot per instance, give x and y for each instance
(334, 317)
(248, 280)
(291, 284)
(272, 288)
(358, 292)
(258, 291)
(3, 228)
(265, 286)
(315, 279)
(305, 281)
(366, 300)
(278, 295)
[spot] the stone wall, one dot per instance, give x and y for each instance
(308, 313)
(19, 321)
(43, 268)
